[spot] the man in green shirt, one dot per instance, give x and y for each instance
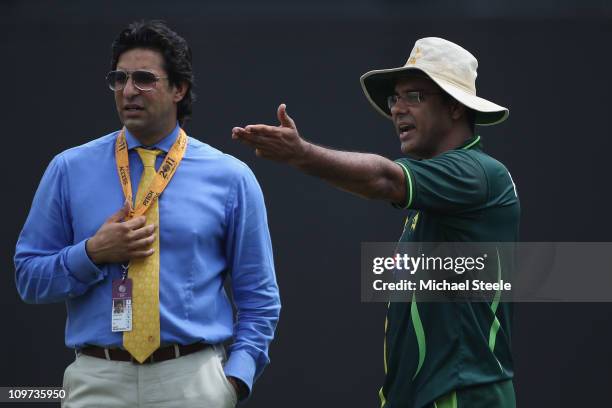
(436, 354)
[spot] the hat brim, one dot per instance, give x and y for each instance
(379, 84)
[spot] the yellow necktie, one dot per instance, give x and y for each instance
(143, 339)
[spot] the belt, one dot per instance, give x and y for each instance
(161, 354)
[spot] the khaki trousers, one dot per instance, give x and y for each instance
(194, 380)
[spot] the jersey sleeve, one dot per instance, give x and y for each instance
(451, 182)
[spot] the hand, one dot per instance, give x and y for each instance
(118, 241)
(280, 143)
(240, 388)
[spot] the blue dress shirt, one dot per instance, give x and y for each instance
(212, 224)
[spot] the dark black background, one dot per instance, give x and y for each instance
(548, 62)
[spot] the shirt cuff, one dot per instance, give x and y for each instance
(80, 265)
(242, 366)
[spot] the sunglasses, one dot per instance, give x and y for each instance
(142, 80)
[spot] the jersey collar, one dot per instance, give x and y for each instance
(471, 143)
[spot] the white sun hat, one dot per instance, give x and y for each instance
(450, 66)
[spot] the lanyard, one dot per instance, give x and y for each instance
(161, 179)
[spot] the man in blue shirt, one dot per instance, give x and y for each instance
(84, 235)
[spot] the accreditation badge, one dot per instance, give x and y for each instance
(122, 305)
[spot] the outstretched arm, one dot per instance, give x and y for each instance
(367, 175)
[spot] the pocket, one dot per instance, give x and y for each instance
(67, 382)
(219, 360)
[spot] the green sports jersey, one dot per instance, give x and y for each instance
(431, 349)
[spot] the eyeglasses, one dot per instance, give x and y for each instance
(142, 80)
(411, 98)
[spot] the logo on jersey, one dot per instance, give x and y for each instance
(413, 222)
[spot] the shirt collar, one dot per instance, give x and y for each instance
(471, 143)
(165, 144)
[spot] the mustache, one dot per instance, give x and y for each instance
(404, 118)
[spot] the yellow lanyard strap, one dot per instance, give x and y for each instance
(161, 179)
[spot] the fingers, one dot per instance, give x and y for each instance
(254, 133)
(283, 118)
(122, 241)
(256, 136)
(136, 222)
(143, 232)
(264, 130)
(236, 132)
(121, 214)
(280, 143)
(142, 244)
(142, 253)
(244, 136)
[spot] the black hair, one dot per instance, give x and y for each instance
(157, 36)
